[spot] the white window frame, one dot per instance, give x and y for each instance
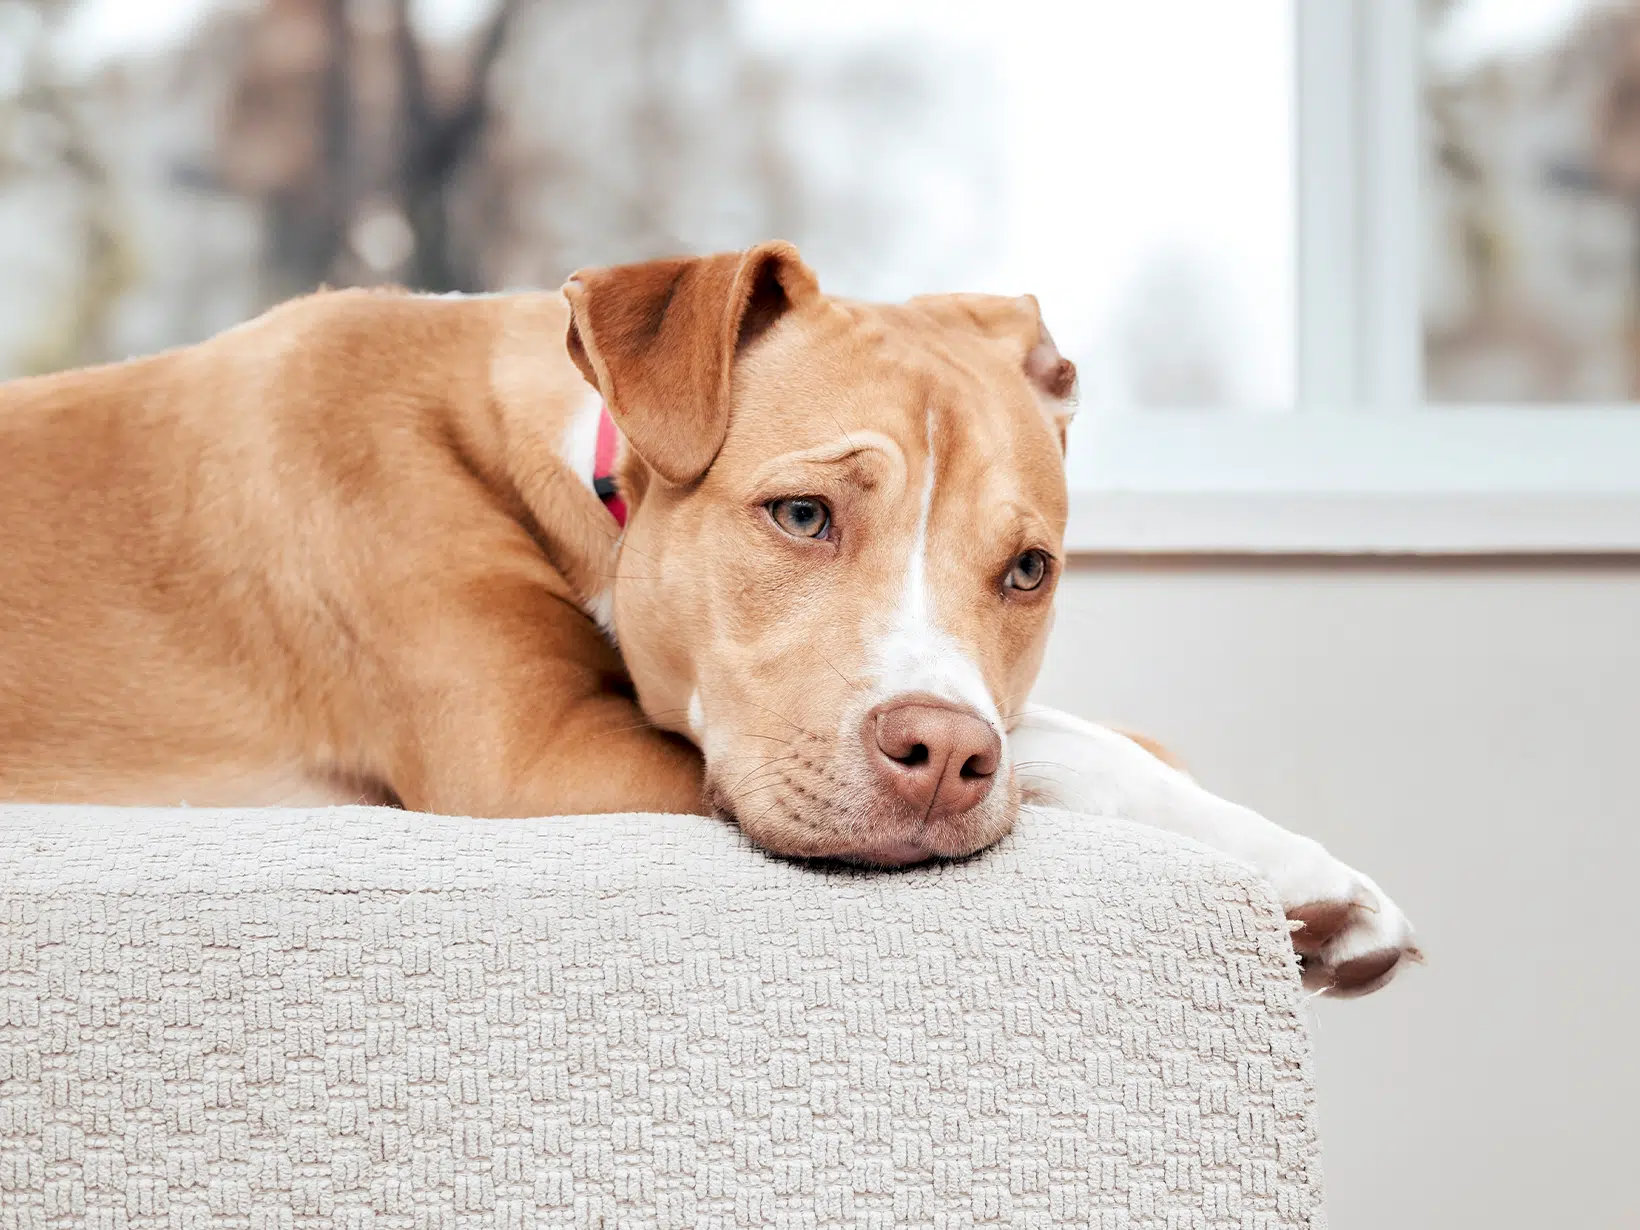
(1360, 466)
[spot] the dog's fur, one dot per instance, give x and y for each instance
(351, 549)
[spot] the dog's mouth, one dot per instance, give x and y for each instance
(889, 855)
(798, 825)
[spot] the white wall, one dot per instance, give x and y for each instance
(1467, 735)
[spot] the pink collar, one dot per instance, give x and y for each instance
(603, 469)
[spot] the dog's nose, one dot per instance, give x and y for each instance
(938, 758)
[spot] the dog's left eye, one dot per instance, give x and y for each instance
(1028, 570)
(802, 517)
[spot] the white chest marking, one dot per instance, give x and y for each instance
(579, 449)
(579, 446)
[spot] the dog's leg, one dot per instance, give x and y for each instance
(588, 756)
(511, 704)
(1352, 937)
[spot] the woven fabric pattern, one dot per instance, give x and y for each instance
(362, 1019)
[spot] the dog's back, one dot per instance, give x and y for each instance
(203, 551)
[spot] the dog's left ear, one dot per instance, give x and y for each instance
(659, 340)
(1018, 321)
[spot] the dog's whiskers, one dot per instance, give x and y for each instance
(847, 682)
(1045, 764)
(653, 722)
(766, 765)
(773, 713)
(1025, 710)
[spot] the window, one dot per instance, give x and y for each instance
(1531, 286)
(1138, 182)
(1403, 442)
(910, 147)
(1338, 275)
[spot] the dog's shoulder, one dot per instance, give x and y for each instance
(387, 335)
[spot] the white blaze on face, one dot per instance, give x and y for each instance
(916, 655)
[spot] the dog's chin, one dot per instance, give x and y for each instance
(892, 842)
(888, 854)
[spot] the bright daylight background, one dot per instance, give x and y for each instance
(906, 147)
(1460, 728)
(168, 167)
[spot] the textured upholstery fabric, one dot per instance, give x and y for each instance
(362, 1018)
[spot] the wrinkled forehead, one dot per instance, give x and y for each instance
(932, 388)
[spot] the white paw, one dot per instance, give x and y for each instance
(1349, 936)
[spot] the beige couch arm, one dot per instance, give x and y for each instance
(367, 1018)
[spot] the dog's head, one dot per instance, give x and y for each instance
(846, 528)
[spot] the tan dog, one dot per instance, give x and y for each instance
(352, 548)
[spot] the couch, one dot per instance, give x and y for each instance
(364, 1018)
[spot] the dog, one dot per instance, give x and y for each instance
(356, 549)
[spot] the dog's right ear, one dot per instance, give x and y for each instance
(1018, 322)
(659, 340)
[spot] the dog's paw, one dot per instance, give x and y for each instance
(1349, 936)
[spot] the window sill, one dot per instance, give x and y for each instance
(1467, 482)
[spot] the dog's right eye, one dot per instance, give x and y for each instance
(801, 517)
